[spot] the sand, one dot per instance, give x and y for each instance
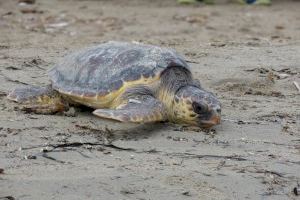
(247, 55)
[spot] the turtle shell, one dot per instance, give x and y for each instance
(103, 69)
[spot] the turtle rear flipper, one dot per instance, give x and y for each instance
(40, 100)
(141, 110)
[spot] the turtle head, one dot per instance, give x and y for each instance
(196, 106)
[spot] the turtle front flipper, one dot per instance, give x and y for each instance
(145, 109)
(40, 100)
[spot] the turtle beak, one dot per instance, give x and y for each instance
(214, 120)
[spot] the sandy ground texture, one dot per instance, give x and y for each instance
(248, 55)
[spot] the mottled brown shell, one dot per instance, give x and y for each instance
(100, 70)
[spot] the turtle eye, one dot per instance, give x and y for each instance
(199, 108)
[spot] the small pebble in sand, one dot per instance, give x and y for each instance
(187, 193)
(7, 198)
(29, 157)
(27, 1)
(296, 191)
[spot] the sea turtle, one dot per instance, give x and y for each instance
(127, 82)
